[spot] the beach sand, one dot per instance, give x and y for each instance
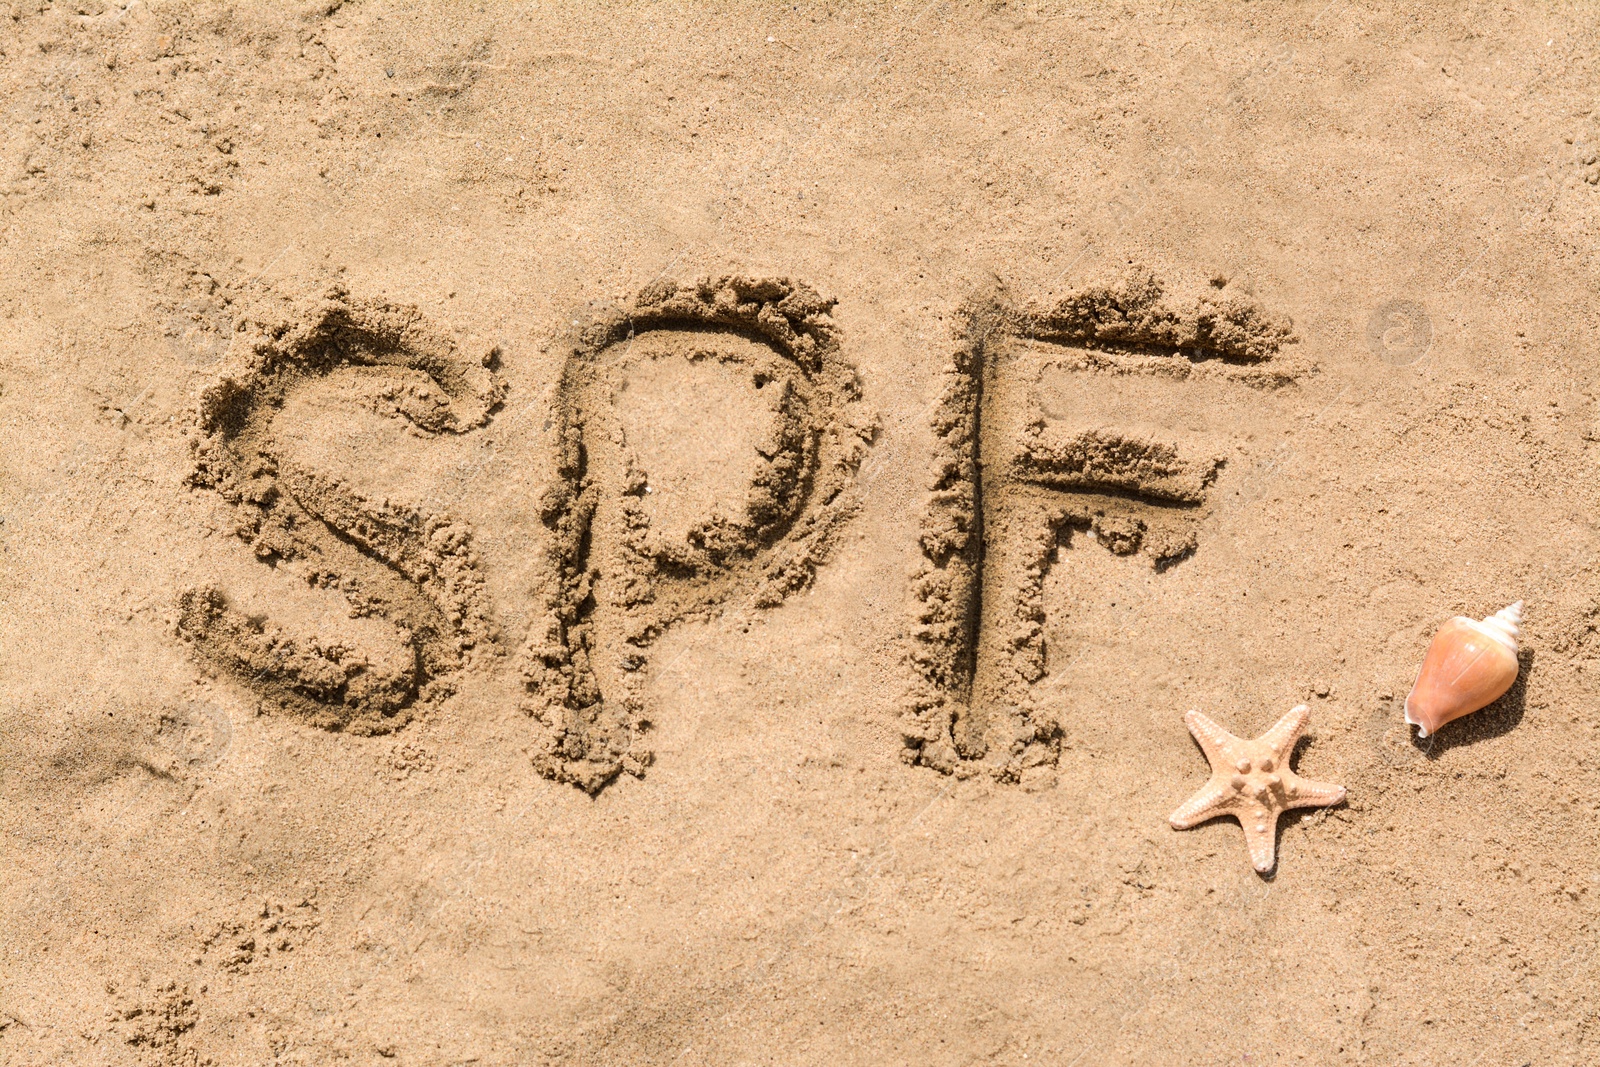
(686, 533)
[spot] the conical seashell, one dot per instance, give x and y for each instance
(1469, 665)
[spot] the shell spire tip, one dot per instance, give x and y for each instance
(1508, 621)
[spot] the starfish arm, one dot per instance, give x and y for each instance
(1210, 801)
(1261, 835)
(1286, 731)
(1310, 794)
(1212, 738)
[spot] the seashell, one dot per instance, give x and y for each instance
(1469, 665)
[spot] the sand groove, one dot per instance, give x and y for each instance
(391, 561)
(616, 583)
(1016, 478)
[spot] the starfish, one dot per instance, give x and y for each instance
(1251, 781)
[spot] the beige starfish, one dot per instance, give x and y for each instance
(1251, 781)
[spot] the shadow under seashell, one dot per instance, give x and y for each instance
(1496, 720)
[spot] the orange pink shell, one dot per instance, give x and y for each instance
(1469, 665)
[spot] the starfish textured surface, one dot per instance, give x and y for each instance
(1251, 781)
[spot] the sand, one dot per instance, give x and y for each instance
(686, 534)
